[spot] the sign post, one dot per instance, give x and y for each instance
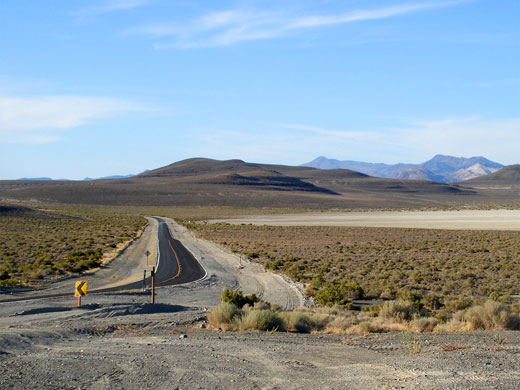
(153, 285)
(147, 253)
(144, 280)
(81, 290)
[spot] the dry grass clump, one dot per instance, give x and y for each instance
(223, 315)
(227, 316)
(297, 321)
(365, 327)
(266, 320)
(339, 324)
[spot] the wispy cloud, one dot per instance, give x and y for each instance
(112, 6)
(355, 135)
(496, 83)
(497, 139)
(224, 28)
(36, 119)
(494, 138)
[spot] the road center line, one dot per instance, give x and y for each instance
(179, 268)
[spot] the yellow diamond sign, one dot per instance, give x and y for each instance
(81, 288)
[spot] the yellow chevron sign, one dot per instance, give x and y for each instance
(81, 288)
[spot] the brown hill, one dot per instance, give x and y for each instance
(205, 182)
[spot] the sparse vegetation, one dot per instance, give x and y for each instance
(412, 342)
(394, 316)
(37, 244)
(441, 271)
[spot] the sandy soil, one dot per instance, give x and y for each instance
(464, 219)
(119, 341)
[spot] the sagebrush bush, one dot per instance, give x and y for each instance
(237, 298)
(424, 324)
(491, 315)
(261, 305)
(399, 310)
(261, 320)
(225, 313)
(298, 321)
(365, 327)
(339, 324)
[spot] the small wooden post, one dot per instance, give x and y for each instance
(78, 301)
(153, 285)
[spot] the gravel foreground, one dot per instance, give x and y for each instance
(118, 341)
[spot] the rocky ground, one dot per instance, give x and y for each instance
(120, 341)
(123, 342)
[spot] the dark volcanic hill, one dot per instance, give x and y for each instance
(206, 182)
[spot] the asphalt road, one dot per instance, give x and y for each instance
(176, 265)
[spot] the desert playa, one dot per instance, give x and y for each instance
(463, 219)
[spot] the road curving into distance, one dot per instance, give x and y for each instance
(175, 265)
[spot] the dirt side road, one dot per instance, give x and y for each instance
(226, 270)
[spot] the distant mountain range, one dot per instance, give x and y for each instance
(85, 179)
(442, 169)
(201, 182)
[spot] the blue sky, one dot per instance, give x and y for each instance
(102, 87)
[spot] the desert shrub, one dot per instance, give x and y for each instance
(300, 322)
(338, 293)
(515, 308)
(432, 301)
(365, 327)
(424, 324)
(237, 298)
(262, 305)
(9, 283)
(371, 309)
(491, 315)
(261, 320)
(339, 324)
(223, 314)
(456, 304)
(399, 310)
